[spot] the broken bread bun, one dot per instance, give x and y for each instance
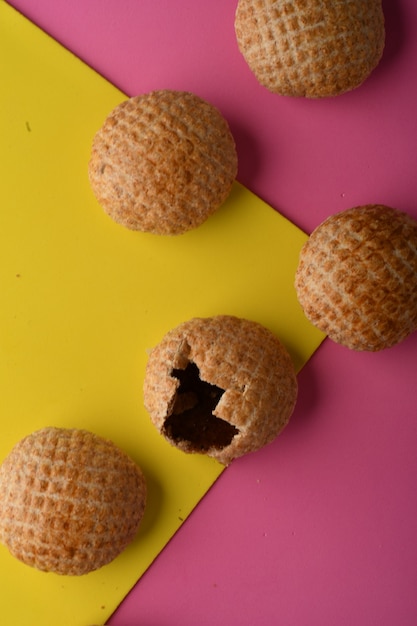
(163, 162)
(221, 386)
(310, 48)
(70, 501)
(357, 277)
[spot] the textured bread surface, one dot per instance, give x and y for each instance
(245, 361)
(70, 501)
(311, 48)
(357, 277)
(163, 162)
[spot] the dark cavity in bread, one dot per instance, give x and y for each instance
(192, 419)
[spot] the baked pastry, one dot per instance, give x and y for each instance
(70, 501)
(311, 48)
(163, 162)
(221, 386)
(357, 277)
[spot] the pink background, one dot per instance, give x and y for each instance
(320, 527)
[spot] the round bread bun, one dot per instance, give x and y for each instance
(221, 386)
(163, 162)
(70, 501)
(357, 277)
(310, 48)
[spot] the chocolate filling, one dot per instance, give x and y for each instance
(192, 419)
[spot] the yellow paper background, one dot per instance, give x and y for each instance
(82, 299)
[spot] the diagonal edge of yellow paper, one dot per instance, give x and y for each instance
(84, 299)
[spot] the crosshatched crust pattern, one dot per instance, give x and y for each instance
(241, 357)
(163, 162)
(311, 48)
(70, 501)
(357, 277)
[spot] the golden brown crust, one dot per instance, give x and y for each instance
(311, 48)
(238, 356)
(357, 277)
(70, 501)
(163, 162)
